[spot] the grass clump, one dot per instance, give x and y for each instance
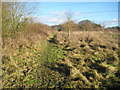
(50, 64)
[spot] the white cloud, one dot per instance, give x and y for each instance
(77, 13)
(57, 13)
(55, 17)
(54, 20)
(113, 22)
(62, 13)
(49, 19)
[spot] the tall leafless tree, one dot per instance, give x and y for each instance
(14, 15)
(69, 16)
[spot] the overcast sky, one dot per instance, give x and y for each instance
(52, 13)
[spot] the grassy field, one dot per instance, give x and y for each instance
(68, 55)
(89, 60)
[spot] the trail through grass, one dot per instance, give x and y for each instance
(82, 64)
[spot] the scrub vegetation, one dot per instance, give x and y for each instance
(35, 55)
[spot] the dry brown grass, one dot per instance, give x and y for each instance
(34, 33)
(93, 37)
(23, 54)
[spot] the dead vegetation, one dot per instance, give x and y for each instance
(38, 57)
(90, 60)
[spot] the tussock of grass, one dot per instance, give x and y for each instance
(48, 62)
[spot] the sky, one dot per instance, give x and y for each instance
(61, 0)
(53, 13)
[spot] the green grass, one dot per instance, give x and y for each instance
(49, 65)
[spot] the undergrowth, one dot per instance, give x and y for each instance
(52, 64)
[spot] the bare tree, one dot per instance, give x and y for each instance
(6, 18)
(14, 15)
(69, 17)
